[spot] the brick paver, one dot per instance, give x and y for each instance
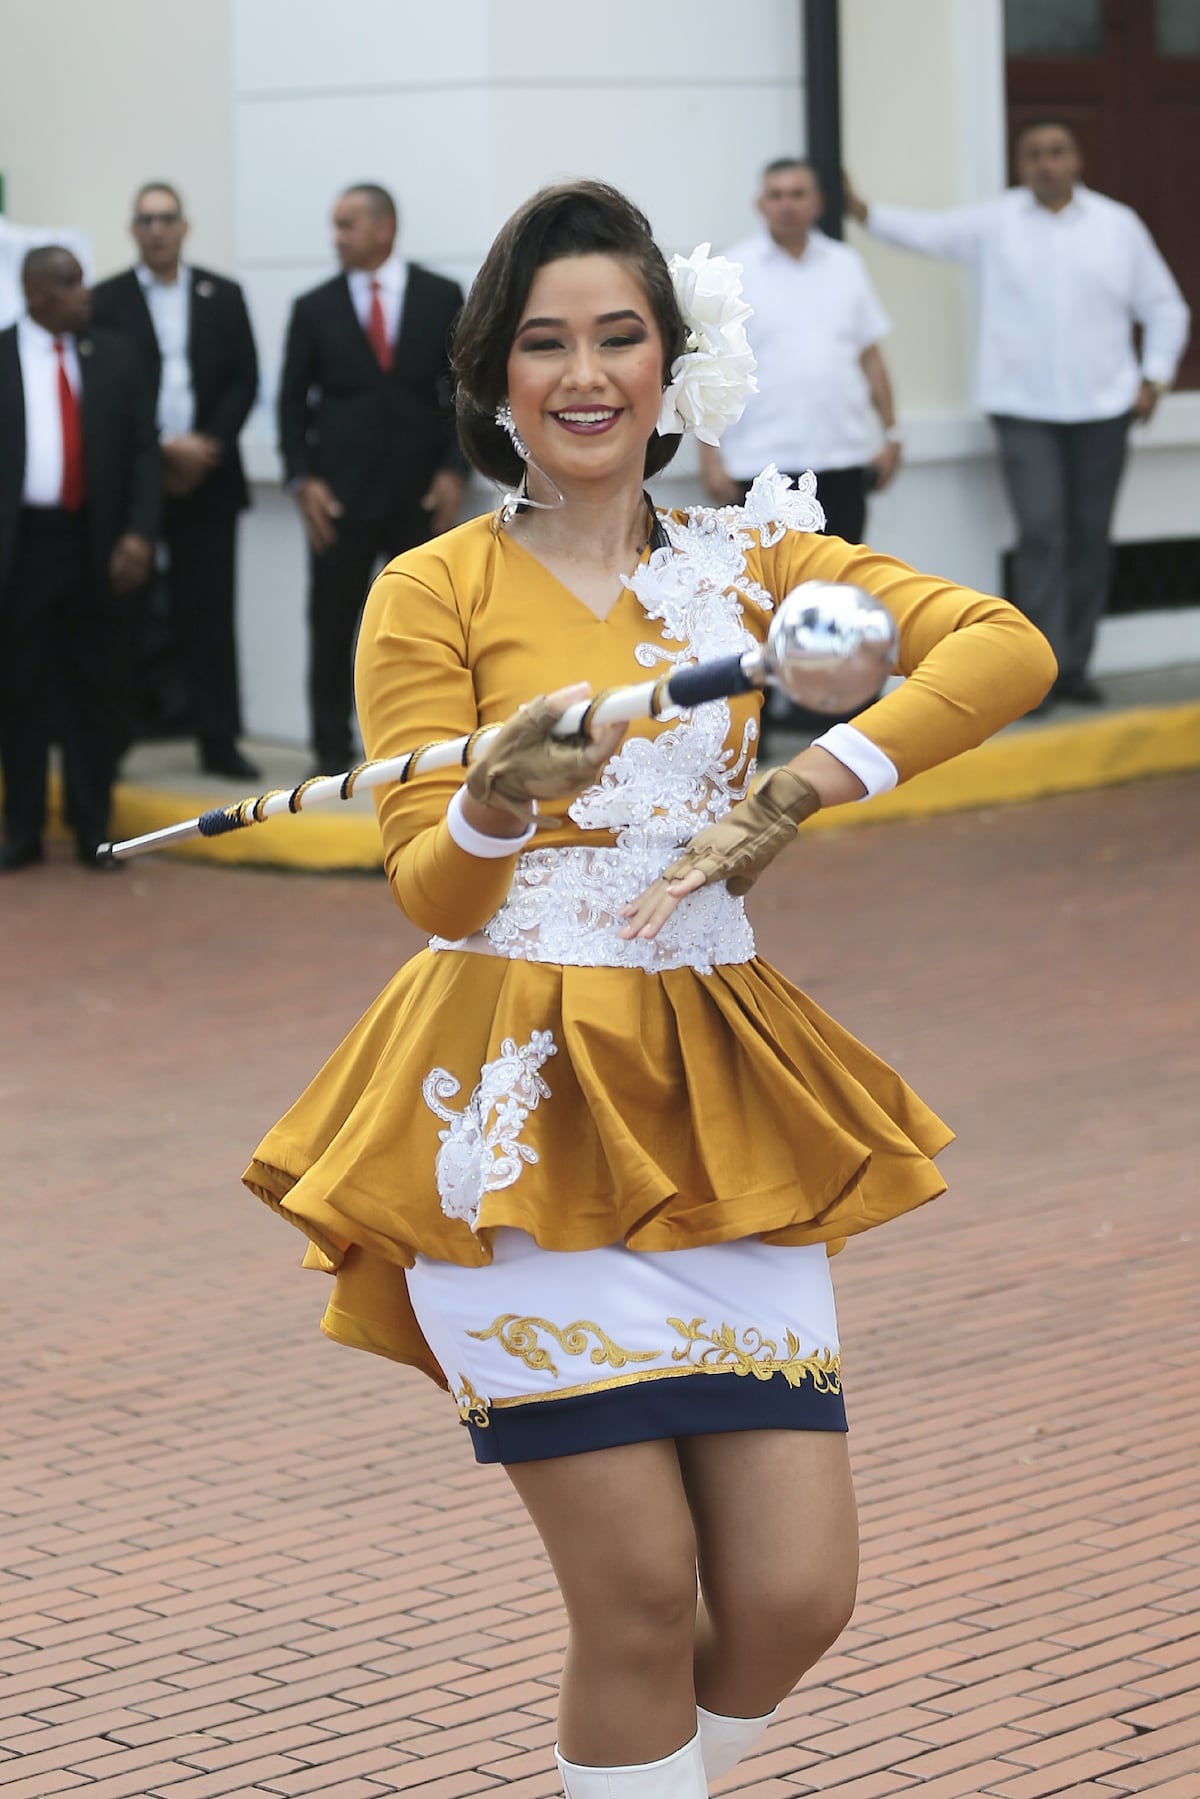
(237, 1560)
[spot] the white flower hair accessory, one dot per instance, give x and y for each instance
(713, 379)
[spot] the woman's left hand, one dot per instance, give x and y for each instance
(735, 849)
(647, 915)
(739, 846)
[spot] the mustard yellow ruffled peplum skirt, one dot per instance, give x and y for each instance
(583, 1108)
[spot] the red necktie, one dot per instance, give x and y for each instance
(74, 489)
(377, 335)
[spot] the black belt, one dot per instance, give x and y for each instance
(57, 519)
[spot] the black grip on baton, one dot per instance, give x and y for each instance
(715, 680)
(217, 822)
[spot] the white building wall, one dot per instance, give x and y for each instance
(95, 99)
(262, 109)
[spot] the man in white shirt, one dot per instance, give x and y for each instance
(815, 332)
(1064, 275)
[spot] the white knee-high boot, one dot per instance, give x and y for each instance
(677, 1776)
(726, 1741)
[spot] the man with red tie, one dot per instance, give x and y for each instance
(367, 436)
(80, 495)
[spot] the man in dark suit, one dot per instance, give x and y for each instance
(80, 495)
(367, 435)
(191, 333)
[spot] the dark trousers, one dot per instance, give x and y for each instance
(55, 654)
(1062, 483)
(338, 582)
(842, 493)
(177, 650)
(201, 538)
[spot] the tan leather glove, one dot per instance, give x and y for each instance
(739, 846)
(523, 763)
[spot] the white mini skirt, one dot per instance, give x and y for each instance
(550, 1353)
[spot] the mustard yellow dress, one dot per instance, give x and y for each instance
(507, 1155)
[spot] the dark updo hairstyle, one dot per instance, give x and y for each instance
(575, 218)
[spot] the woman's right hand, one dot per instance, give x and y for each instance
(524, 763)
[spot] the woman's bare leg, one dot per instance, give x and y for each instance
(620, 1538)
(777, 1544)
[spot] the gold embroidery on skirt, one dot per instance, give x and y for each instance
(471, 1408)
(719, 1352)
(519, 1336)
(715, 1351)
(828, 1360)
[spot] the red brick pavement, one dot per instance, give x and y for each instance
(240, 1560)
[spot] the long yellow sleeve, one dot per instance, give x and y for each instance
(413, 686)
(973, 662)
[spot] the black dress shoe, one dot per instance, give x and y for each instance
(1079, 689)
(19, 855)
(227, 759)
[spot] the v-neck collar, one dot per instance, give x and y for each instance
(597, 618)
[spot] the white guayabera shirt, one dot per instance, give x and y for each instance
(1059, 294)
(813, 316)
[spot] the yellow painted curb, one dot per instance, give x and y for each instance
(1035, 763)
(1008, 770)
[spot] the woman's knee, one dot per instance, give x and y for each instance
(785, 1625)
(645, 1611)
(813, 1620)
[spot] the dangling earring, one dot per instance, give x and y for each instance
(521, 496)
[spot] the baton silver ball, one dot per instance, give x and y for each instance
(830, 646)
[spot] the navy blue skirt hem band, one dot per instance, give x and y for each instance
(691, 1406)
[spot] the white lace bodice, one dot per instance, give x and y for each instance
(657, 792)
(564, 907)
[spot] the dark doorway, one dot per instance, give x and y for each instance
(1125, 75)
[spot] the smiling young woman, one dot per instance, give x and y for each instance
(585, 1159)
(585, 375)
(585, 385)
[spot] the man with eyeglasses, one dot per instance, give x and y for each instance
(191, 332)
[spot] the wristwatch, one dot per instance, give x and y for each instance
(893, 435)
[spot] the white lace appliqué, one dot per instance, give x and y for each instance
(478, 1156)
(564, 907)
(657, 792)
(668, 787)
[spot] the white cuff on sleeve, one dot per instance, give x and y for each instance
(478, 843)
(863, 758)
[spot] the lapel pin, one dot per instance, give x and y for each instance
(83, 346)
(204, 289)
